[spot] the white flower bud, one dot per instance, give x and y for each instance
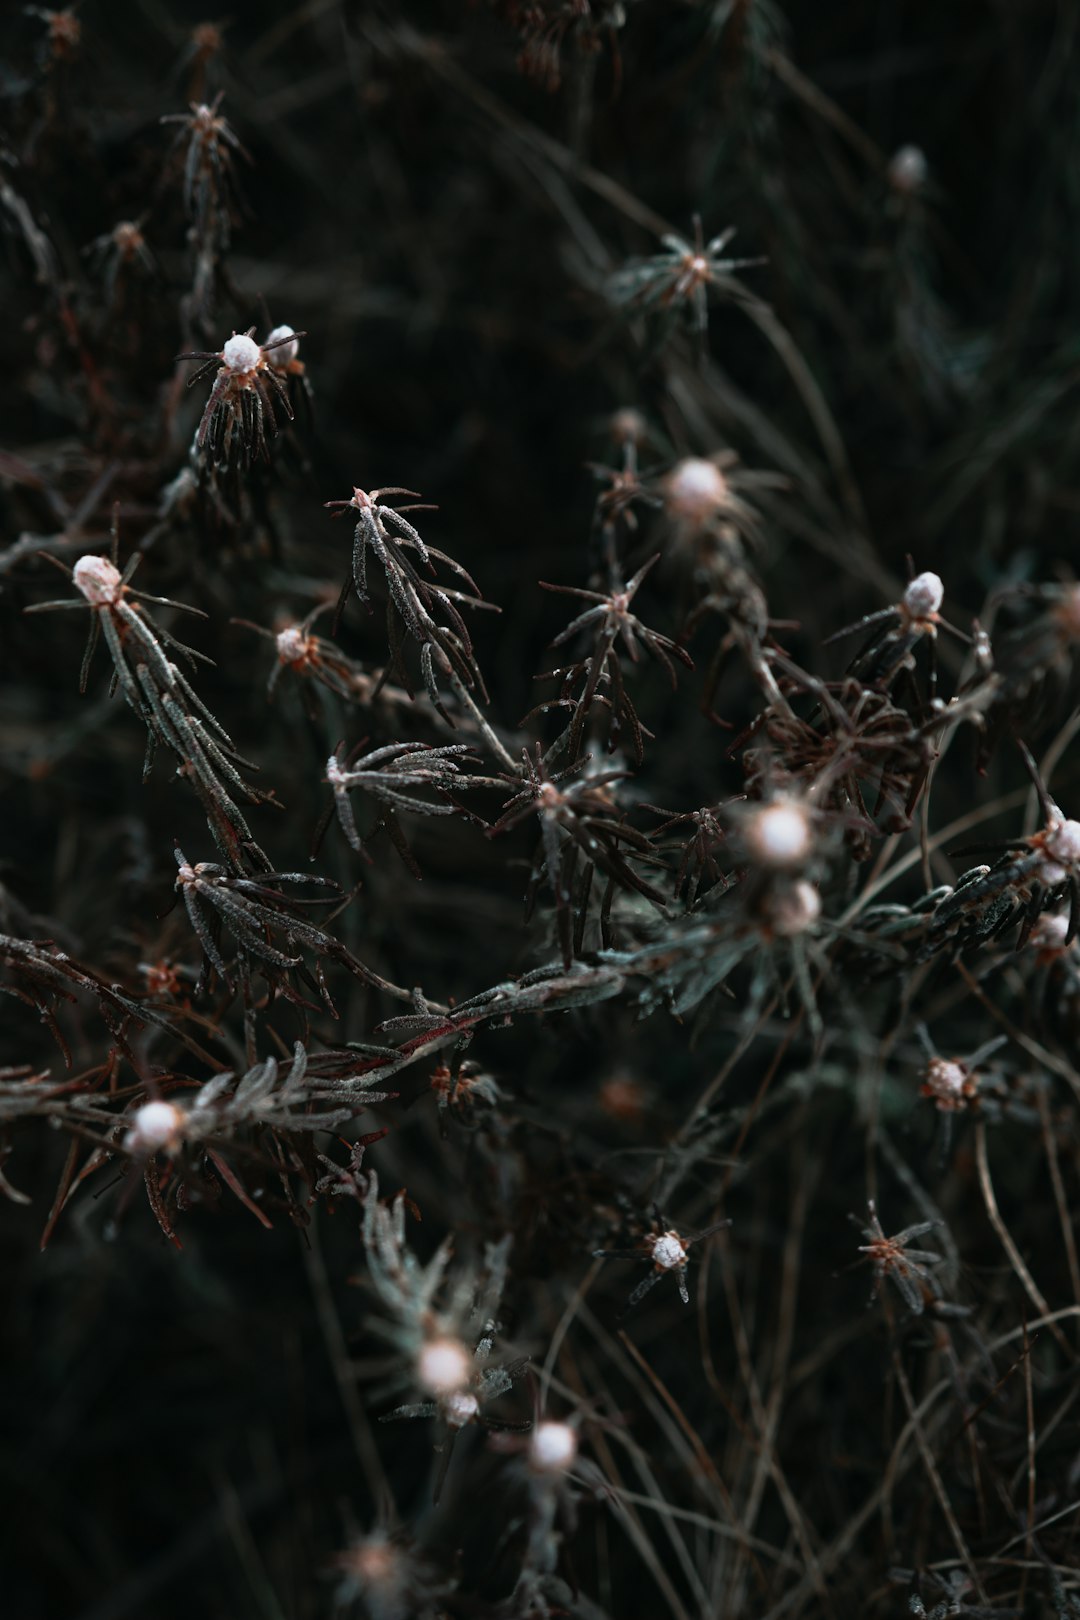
(924, 595)
(668, 1251)
(779, 835)
(460, 1408)
(98, 580)
(291, 645)
(1049, 933)
(945, 1081)
(280, 356)
(696, 490)
(908, 169)
(629, 426)
(1062, 842)
(796, 910)
(444, 1366)
(241, 353)
(156, 1125)
(552, 1448)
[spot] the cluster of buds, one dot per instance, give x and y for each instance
(444, 1368)
(780, 844)
(250, 386)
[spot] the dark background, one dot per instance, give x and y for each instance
(442, 226)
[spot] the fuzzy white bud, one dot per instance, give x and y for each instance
(156, 1125)
(908, 169)
(552, 1448)
(280, 356)
(444, 1366)
(795, 910)
(945, 1080)
(98, 579)
(669, 1251)
(1062, 842)
(1050, 933)
(696, 490)
(779, 835)
(460, 1408)
(291, 645)
(924, 595)
(241, 353)
(629, 426)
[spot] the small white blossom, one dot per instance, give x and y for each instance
(924, 595)
(291, 644)
(282, 353)
(241, 353)
(552, 1448)
(98, 579)
(796, 910)
(669, 1251)
(779, 835)
(696, 490)
(444, 1366)
(156, 1125)
(908, 168)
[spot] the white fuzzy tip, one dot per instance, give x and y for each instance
(924, 595)
(797, 910)
(156, 1125)
(98, 580)
(460, 1408)
(553, 1448)
(241, 353)
(444, 1366)
(946, 1079)
(908, 168)
(779, 835)
(696, 490)
(669, 1251)
(291, 645)
(1062, 842)
(629, 426)
(281, 355)
(1049, 933)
